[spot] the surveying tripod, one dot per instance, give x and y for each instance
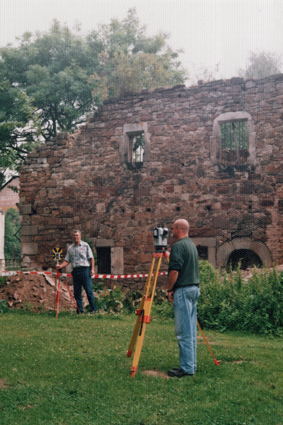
(143, 313)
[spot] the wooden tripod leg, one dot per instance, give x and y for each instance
(144, 319)
(139, 310)
(57, 299)
(75, 302)
(217, 362)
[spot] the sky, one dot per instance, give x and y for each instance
(214, 34)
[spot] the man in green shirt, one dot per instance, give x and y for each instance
(183, 290)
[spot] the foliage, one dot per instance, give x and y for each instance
(115, 301)
(109, 300)
(261, 65)
(131, 61)
(19, 127)
(228, 303)
(75, 370)
(54, 69)
(3, 307)
(2, 279)
(12, 248)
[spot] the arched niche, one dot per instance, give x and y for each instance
(225, 250)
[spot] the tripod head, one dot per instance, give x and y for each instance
(160, 234)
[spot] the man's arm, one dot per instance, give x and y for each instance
(172, 278)
(92, 271)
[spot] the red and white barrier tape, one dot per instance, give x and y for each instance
(95, 276)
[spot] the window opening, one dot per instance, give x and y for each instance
(137, 143)
(202, 252)
(103, 260)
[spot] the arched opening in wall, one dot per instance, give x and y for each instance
(246, 257)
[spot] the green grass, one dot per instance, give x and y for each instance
(74, 370)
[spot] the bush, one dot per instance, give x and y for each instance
(228, 303)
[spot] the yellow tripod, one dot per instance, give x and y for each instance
(143, 312)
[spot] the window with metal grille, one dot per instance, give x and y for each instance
(233, 141)
(234, 135)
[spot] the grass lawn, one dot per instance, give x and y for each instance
(74, 370)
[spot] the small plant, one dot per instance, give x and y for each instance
(97, 285)
(28, 307)
(2, 280)
(3, 306)
(109, 300)
(132, 300)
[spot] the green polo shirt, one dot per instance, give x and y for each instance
(184, 259)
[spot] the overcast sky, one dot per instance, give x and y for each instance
(210, 32)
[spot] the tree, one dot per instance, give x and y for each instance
(12, 247)
(132, 62)
(54, 69)
(18, 128)
(261, 65)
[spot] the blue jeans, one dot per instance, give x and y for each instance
(185, 312)
(82, 279)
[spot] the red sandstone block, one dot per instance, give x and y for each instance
(223, 189)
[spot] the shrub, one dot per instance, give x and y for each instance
(228, 303)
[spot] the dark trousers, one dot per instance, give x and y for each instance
(82, 279)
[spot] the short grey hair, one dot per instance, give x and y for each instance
(77, 231)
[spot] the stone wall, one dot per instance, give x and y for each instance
(87, 180)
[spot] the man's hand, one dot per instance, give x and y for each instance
(171, 296)
(92, 272)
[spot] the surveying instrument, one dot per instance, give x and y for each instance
(160, 235)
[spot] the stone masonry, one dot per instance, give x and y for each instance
(88, 181)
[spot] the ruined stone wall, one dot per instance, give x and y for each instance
(87, 180)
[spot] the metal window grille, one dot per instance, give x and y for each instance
(234, 135)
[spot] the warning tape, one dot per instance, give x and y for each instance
(95, 276)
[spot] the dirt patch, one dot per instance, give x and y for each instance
(2, 385)
(155, 373)
(36, 292)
